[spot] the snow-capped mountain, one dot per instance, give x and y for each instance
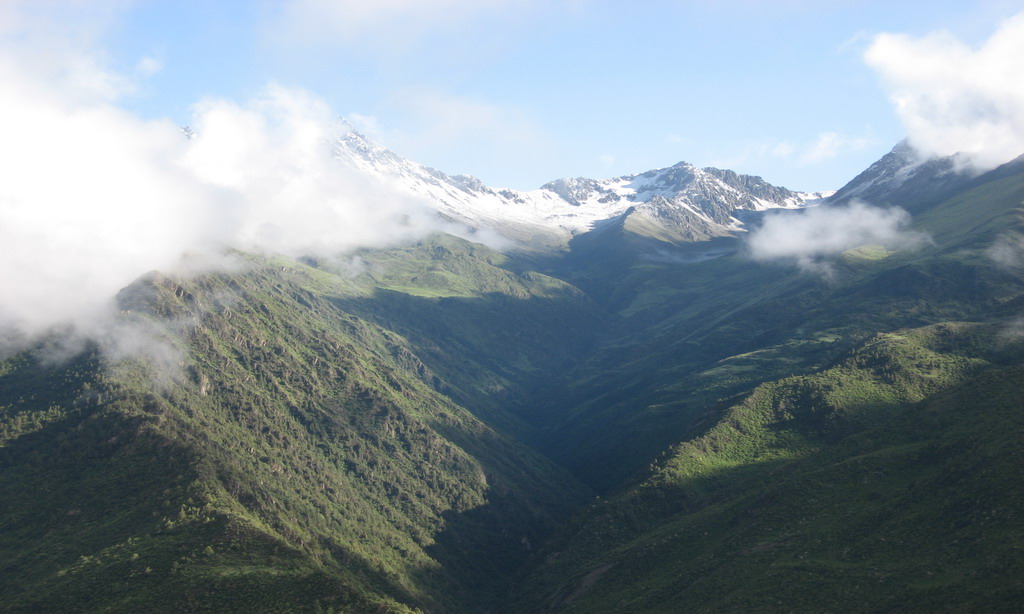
(904, 177)
(697, 203)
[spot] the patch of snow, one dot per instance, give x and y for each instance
(570, 206)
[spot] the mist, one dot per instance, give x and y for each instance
(811, 238)
(1007, 250)
(953, 98)
(94, 196)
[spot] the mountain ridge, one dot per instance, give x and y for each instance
(645, 420)
(563, 208)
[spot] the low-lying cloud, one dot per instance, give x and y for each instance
(954, 98)
(94, 196)
(1007, 250)
(812, 237)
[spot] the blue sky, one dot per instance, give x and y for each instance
(522, 92)
(99, 185)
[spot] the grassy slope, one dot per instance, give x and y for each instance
(696, 334)
(871, 486)
(882, 484)
(288, 456)
(492, 335)
(306, 440)
(870, 471)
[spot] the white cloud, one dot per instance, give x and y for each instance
(282, 190)
(52, 44)
(954, 98)
(1013, 331)
(85, 196)
(1007, 250)
(93, 196)
(811, 237)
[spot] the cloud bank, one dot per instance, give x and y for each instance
(810, 238)
(954, 98)
(93, 196)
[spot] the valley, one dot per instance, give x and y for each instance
(645, 416)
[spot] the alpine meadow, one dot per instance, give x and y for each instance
(264, 363)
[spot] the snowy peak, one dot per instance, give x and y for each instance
(682, 196)
(577, 192)
(707, 197)
(705, 188)
(361, 149)
(903, 177)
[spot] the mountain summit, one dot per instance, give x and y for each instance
(630, 424)
(695, 202)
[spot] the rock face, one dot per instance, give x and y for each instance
(903, 177)
(694, 203)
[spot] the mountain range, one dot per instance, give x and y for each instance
(619, 406)
(687, 201)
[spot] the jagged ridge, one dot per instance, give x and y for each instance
(703, 200)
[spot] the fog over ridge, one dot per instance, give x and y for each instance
(95, 196)
(954, 98)
(811, 238)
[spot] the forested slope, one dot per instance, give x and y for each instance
(426, 428)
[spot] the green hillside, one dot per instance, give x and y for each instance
(695, 334)
(641, 424)
(286, 454)
(841, 445)
(885, 483)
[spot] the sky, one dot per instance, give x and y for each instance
(520, 92)
(98, 184)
